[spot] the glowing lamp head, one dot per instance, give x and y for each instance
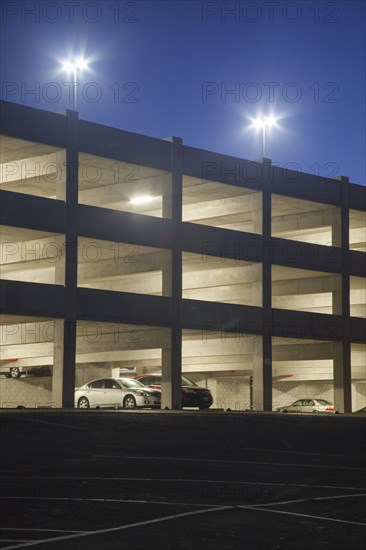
(265, 122)
(259, 123)
(81, 64)
(271, 121)
(70, 66)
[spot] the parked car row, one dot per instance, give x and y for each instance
(138, 392)
(144, 390)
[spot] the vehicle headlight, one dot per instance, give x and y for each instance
(143, 393)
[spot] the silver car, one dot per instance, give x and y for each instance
(309, 406)
(116, 392)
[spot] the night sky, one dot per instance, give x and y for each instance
(201, 71)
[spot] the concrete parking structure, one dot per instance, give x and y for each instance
(122, 251)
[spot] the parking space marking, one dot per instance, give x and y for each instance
(185, 480)
(302, 453)
(117, 528)
(172, 458)
(322, 518)
(14, 540)
(162, 502)
(21, 543)
(55, 424)
(32, 529)
(131, 501)
(333, 497)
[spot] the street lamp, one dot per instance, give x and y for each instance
(72, 67)
(263, 124)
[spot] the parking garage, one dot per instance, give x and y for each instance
(120, 257)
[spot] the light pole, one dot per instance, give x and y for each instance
(72, 67)
(263, 124)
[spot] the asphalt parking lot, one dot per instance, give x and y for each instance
(166, 480)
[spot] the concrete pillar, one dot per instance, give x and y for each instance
(61, 178)
(342, 359)
(166, 190)
(342, 375)
(257, 382)
(71, 240)
(167, 278)
(61, 195)
(262, 382)
(171, 385)
(337, 295)
(257, 213)
(336, 227)
(58, 364)
(59, 243)
(257, 287)
(172, 355)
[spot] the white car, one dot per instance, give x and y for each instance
(116, 392)
(309, 406)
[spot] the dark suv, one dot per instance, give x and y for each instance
(192, 395)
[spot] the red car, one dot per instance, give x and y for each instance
(192, 395)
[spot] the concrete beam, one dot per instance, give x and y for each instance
(316, 285)
(32, 251)
(14, 149)
(304, 220)
(126, 261)
(32, 167)
(238, 294)
(241, 205)
(305, 351)
(45, 275)
(142, 283)
(303, 302)
(217, 347)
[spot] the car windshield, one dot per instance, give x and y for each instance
(187, 382)
(130, 383)
(323, 402)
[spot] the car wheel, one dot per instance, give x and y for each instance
(83, 403)
(315, 412)
(14, 372)
(129, 402)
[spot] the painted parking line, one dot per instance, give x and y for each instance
(14, 540)
(74, 535)
(162, 502)
(212, 460)
(311, 499)
(321, 518)
(36, 530)
(119, 500)
(183, 480)
(117, 528)
(56, 424)
(302, 453)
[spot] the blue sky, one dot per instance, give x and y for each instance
(202, 71)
